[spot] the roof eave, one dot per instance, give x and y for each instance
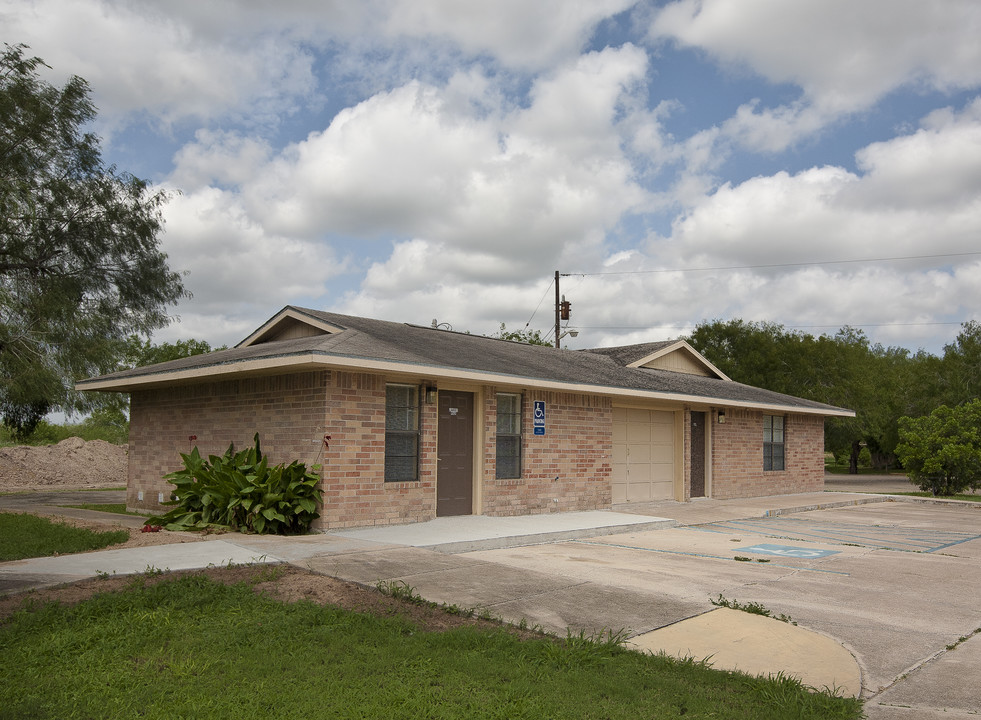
(313, 361)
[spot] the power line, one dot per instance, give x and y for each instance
(544, 295)
(792, 327)
(774, 265)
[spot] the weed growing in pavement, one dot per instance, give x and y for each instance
(963, 638)
(401, 590)
(753, 608)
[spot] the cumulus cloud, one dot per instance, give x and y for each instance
(937, 168)
(476, 196)
(146, 60)
(184, 60)
(455, 159)
(235, 264)
(505, 183)
(916, 195)
(844, 56)
(520, 34)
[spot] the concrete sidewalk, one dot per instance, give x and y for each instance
(430, 558)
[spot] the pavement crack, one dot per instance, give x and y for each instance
(921, 664)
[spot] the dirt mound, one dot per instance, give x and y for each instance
(71, 464)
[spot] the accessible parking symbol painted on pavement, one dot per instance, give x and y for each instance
(789, 551)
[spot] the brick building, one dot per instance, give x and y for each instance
(427, 422)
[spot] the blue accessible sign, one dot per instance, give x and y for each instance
(789, 551)
(539, 417)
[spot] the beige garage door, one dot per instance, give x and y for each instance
(643, 455)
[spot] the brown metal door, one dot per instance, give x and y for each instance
(454, 453)
(698, 454)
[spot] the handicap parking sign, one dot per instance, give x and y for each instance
(789, 551)
(539, 417)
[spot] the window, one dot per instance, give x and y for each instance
(773, 437)
(508, 436)
(401, 433)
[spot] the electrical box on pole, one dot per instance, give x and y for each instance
(562, 309)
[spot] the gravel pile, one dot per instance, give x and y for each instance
(71, 464)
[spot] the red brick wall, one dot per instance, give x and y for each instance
(292, 413)
(286, 410)
(566, 469)
(355, 491)
(737, 456)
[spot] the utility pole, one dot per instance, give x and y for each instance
(558, 335)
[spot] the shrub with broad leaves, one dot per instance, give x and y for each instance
(240, 491)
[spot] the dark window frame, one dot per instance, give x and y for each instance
(774, 443)
(402, 433)
(509, 445)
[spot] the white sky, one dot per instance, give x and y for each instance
(420, 159)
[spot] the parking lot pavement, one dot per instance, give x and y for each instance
(895, 583)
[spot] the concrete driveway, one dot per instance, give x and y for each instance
(895, 583)
(884, 591)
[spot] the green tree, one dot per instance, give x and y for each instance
(961, 365)
(942, 450)
(80, 264)
(140, 351)
(531, 337)
(844, 370)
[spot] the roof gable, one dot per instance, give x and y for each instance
(290, 323)
(679, 357)
(672, 355)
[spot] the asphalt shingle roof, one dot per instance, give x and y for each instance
(434, 351)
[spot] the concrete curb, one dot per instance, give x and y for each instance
(500, 543)
(829, 505)
(870, 500)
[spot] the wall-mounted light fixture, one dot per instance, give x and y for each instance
(722, 417)
(430, 395)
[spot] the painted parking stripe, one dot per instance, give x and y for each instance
(701, 555)
(789, 551)
(888, 538)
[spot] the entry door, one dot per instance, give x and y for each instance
(697, 454)
(454, 453)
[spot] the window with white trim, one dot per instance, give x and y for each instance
(773, 442)
(401, 433)
(508, 436)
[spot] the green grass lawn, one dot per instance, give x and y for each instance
(27, 536)
(119, 508)
(843, 470)
(192, 647)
